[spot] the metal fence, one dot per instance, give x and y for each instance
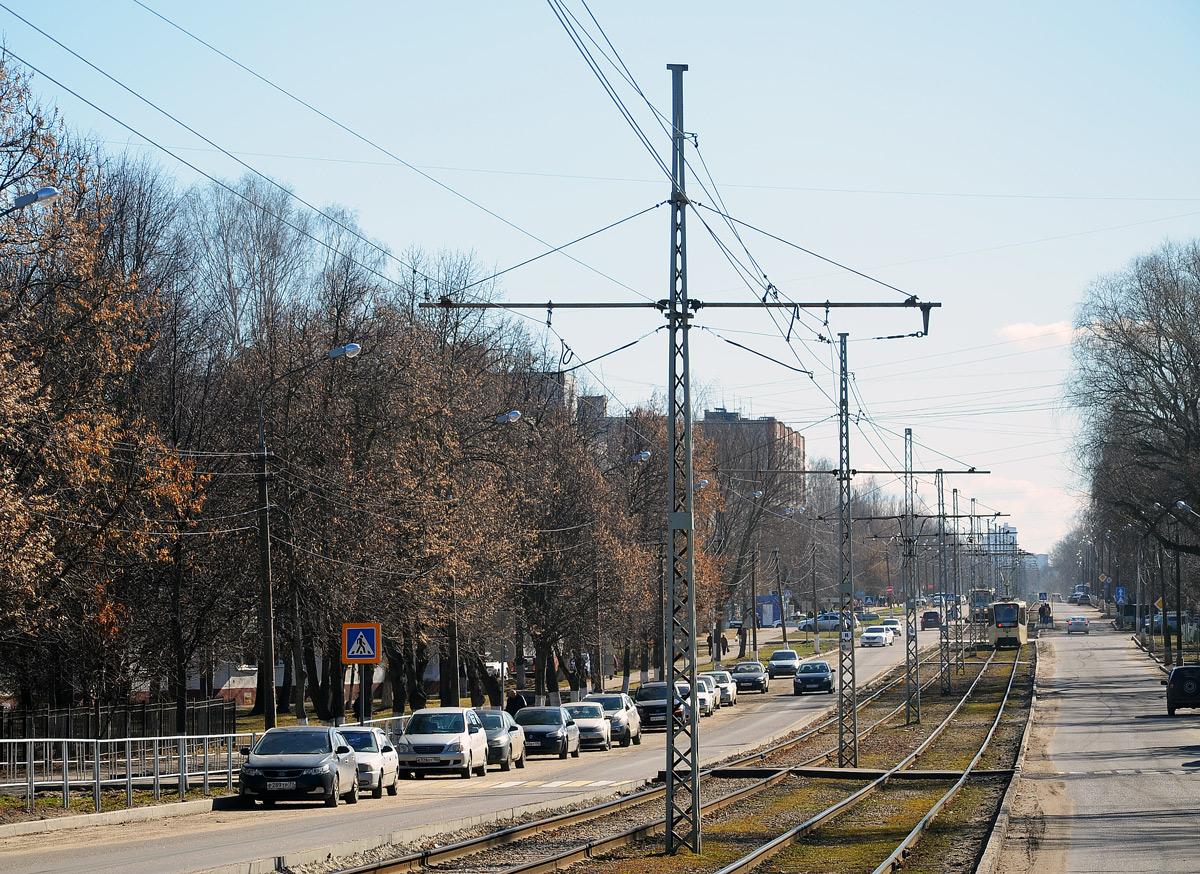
(215, 716)
(164, 766)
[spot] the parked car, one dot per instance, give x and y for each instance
(549, 730)
(1156, 622)
(441, 740)
(299, 763)
(1077, 623)
(505, 739)
(931, 619)
(775, 623)
(378, 764)
(751, 675)
(594, 729)
(1084, 599)
(813, 677)
(1183, 688)
(866, 616)
(652, 704)
(707, 695)
(894, 624)
(725, 685)
(624, 721)
(877, 635)
(783, 663)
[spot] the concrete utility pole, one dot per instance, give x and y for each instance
(683, 749)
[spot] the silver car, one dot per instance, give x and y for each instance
(625, 723)
(725, 685)
(299, 763)
(378, 764)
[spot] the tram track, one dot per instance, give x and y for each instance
(558, 841)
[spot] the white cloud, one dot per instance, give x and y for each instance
(1030, 335)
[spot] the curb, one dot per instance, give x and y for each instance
(110, 817)
(405, 836)
(990, 857)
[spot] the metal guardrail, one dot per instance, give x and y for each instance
(163, 765)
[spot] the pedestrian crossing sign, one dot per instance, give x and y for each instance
(360, 643)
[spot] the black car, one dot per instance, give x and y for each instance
(1183, 688)
(813, 677)
(931, 619)
(751, 675)
(300, 763)
(549, 730)
(651, 701)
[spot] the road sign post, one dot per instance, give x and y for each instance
(361, 645)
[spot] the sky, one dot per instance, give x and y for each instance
(992, 158)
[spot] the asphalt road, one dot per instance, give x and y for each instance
(210, 840)
(1110, 780)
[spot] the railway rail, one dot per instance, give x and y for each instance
(778, 778)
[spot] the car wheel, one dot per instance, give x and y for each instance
(267, 802)
(335, 793)
(797, 692)
(637, 739)
(575, 753)
(1190, 686)
(830, 690)
(506, 762)
(352, 795)
(481, 771)
(562, 754)
(607, 744)
(628, 739)
(420, 775)
(377, 792)
(1170, 711)
(521, 761)
(395, 784)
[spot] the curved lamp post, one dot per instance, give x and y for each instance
(266, 601)
(45, 195)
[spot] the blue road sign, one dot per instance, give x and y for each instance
(360, 643)
(1119, 594)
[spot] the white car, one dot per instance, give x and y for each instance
(725, 685)
(709, 692)
(441, 739)
(594, 728)
(894, 624)
(877, 635)
(378, 764)
(624, 721)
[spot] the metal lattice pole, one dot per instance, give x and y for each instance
(847, 699)
(683, 783)
(960, 664)
(943, 585)
(912, 672)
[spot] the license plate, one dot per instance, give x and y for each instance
(427, 760)
(658, 719)
(281, 786)
(533, 743)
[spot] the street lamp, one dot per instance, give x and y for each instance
(46, 195)
(266, 600)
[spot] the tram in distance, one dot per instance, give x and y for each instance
(1006, 623)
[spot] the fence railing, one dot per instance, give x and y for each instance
(215, 716)
(164, 766)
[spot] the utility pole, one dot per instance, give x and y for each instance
(943, 585)
(683, 749)
(779, 595)
(912, 661)
(754, 600)
(960, 666)
(847, 691)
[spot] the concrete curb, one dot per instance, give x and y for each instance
(408, 835)
(110, 817)
(995, 843)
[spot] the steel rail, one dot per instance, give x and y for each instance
(779, 843)
(896, 859)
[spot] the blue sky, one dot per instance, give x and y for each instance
(994, 158)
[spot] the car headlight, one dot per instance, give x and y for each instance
(617, 719)
(558, 733)
(403, 748)
(251, 772)
(319, 769)
(454, 747)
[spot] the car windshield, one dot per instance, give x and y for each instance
(748, 668)
(293, 743)
(720, 676)
(656, 692)
(435, 723)
(876, 629)
(539, 716)
(784, 655)
(705, 683)
(1006, 613)
(361, 741)
(491, 720)
(814, 668)
(608, 702)
(585, 711)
